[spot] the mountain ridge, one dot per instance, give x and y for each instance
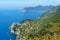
(37, 8)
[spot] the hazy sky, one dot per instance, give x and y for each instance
(5, 4)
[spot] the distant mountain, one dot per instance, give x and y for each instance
(45, 28)
(37, 8)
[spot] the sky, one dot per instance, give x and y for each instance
(17, 4)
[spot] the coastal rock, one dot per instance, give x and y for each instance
(13, 26)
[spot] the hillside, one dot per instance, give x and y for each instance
(37, 9)
(45, 28)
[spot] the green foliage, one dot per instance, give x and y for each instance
(44, 28)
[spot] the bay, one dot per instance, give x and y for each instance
(7, 17)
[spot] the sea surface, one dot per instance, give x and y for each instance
(7, 17)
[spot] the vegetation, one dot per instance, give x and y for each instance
(45, 28)
(38, 8)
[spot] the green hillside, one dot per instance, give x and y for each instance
(47, 27)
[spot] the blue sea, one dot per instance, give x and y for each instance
(7, 17)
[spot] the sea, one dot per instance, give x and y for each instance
(7, 17)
